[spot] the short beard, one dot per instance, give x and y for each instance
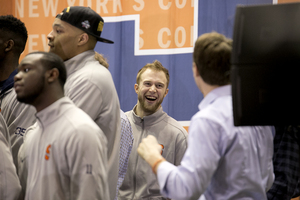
(28, 99)
(148, 109)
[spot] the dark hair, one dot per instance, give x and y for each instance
(14, 29)
(212, 55)
(49, 61)
(156, 66)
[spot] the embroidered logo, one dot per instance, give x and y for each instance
(100, 26)
(162, 148)
(86, 24)
(47, 156)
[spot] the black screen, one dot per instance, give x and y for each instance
(265, 62)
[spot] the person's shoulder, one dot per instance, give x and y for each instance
(218, 111)
(94, 73)
(9, 92)
(128, 113)
(77, 117)
(9, 98)
(79, 124)
(79, 127)
(93, 68)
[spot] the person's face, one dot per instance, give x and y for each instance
(30, 79)
(63, 39)
(151, 90)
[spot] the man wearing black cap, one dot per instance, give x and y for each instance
(89, 85)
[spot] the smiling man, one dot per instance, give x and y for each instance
(148, 118)
(222, 161)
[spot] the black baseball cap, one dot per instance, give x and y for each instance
(85, 19)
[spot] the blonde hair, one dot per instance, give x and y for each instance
(101, 59)
(156, 66)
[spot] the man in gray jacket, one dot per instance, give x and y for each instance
(148, 118)
(18, 116)
(76, 30)
(64, 153)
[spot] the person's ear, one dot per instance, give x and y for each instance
(52, 75)
(9, 45)
(195, 70)
(83, 39)
(167, 90)
(136, 88)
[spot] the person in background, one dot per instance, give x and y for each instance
(75, 32)
(222, 161)
(286, 163)
(64, 155)
(148, 118)
(18, 116)
(10, 187)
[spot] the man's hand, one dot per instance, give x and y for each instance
(149, 150)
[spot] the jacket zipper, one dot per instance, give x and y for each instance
(136, 163)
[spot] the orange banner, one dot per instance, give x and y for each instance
(163, 24)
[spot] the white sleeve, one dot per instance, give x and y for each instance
(191, 178)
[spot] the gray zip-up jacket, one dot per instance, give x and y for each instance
(10, 187)
(140, 182)
(64, 155)
(90, 86)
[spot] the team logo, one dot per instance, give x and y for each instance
(47, 156)
(86, 24)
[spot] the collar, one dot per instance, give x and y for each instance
(8, 83)
(214, 94)
(150, 119)
(79, 61)
(53, 111)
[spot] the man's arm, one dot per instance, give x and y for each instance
(191, 178)
(149, 150)
(10, 186)
(87, 159)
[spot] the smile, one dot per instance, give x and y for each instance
(151, 98)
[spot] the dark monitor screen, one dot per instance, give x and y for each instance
(265, 61)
